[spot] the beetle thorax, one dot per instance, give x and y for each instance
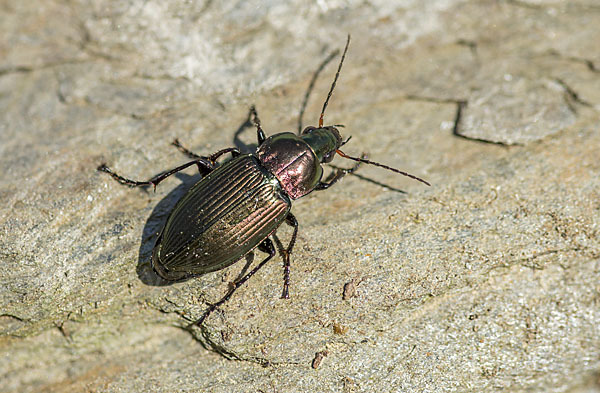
(292, 161)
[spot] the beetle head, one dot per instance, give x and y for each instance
(324, 141)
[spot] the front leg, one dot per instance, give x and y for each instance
(260, 134)
(336, 176)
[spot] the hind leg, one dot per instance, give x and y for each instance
(265, 246)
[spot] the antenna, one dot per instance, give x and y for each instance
(337, 74)
(341, 153)
(338, 151)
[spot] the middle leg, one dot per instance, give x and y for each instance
(204, 166)
(213, 157)
(290, 220)
(184, 150)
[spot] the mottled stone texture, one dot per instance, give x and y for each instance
(487, 281)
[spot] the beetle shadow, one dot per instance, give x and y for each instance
(245, 148)
(369, 180)
(160, 213)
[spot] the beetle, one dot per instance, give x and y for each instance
(238, 205)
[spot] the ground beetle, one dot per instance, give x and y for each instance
(238, 205)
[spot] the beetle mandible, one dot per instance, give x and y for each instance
(238, 205)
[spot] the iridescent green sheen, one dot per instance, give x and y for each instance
(220, 219)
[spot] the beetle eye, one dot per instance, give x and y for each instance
(328, 157)
(307, 130)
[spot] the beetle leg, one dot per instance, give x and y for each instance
(260, 134)
(233, 150)
(249, 259)
(336, 176)
(204, 164)
(213, 157)
(266, 246)
(290, 220)
(182, 149)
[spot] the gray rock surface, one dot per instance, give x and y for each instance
(487, 281)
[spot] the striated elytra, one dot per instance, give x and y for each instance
(221, 219)
(237, 206)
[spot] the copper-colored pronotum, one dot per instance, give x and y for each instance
(238, 205)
